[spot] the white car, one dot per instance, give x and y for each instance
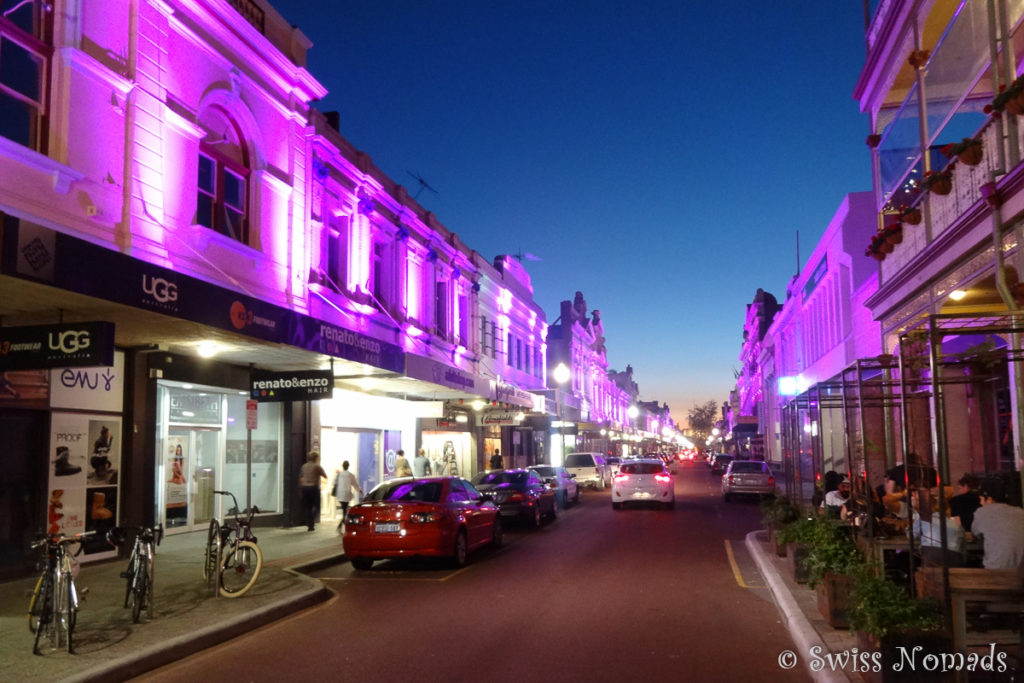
(590, 469)
(646, 480)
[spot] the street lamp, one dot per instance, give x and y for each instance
(561, 374)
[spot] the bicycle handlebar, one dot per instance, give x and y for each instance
(62, 539)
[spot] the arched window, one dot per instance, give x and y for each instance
(223, 177)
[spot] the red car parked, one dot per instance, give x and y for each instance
(431, 517)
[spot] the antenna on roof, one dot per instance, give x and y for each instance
(526, 256)
(424, 185)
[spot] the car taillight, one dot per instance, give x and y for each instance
(771, 481)
(424, 517)
(621, 478)
(517, 497)
(730, 480)
(663, 478)
(355, 519)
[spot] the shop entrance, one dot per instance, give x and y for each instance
(187, 478)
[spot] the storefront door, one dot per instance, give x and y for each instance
(189, 477)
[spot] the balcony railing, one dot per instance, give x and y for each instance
(948, 211)
(251, 12)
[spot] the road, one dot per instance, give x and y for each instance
(640, 594)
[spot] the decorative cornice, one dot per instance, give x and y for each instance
(63, 176)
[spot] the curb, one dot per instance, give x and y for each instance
(799, 627)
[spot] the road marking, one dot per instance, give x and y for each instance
(736, 568)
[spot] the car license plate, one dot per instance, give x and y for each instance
(388, 528)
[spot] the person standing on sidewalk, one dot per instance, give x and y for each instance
(345, 486)
(402, 468)
(421, 464)
(309, 479)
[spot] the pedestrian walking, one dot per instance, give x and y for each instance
(496, 461)
(421, 464)
(309, 479)
(345, 488)
(402, 468)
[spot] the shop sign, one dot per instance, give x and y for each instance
(309, 385)
(507, 393)
(501, 417)
(60, 260)
(93, 388)
(420, 367)
(191, 407)
(36, 347)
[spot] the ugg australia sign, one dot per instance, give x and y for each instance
(38, 347)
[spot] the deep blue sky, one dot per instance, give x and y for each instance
(660, 157)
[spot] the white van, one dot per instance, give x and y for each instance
(589, 469)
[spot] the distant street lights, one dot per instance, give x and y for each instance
(561, 375)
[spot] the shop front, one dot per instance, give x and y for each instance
(204, 444)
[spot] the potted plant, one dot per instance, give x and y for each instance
(893, 233)
(831, 563)
(1010, 98)
(797, 538)
(874, 250)
(777, 512)
(911, 215)
(968, 151)
(938, 182)
(887, 618)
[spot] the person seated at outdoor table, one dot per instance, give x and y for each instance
(929, 533)
(1001, 528)
(966, 500)
(835, 503)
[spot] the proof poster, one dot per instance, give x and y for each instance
(84, 467)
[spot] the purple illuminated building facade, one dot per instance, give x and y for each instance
(172, 203)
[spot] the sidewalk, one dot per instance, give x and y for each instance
(799, 607)
(109, 647)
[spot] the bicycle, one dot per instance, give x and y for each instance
(139, 574)
(53, 609)
(232, 561)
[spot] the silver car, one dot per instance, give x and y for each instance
(747, 476)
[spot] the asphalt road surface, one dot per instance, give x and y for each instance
(640, 594)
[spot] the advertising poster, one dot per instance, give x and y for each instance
(84, 467)
(176, 484)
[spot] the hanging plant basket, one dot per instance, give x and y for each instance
(942, 186)
(938, 182)
(1015, 104)
(894, 235)
(911, 216)
(972, 155)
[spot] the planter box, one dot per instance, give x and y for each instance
(834, 598)
(773, 541)
(795, 554)
(891, 648)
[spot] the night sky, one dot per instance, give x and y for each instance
(659, 157)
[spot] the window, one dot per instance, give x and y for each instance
(222, 186)
(509, 348)
(26, 48)
(378, 278)
(441, 308)
(519, 354)
(464, 320)
(334, 252)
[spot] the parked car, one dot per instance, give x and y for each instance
(430, 517)
(646, 480)
(519, 493)
(613, 464)
(720, 462)
(591, 469)
(747, 476)
(566, 488)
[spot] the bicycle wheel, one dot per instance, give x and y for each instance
(61, 611)
(243, 562)
(129, 576)
(140, 587)
(70, 611)
(212, 558)
(35, 605)
(45, 609)
(150, 566)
